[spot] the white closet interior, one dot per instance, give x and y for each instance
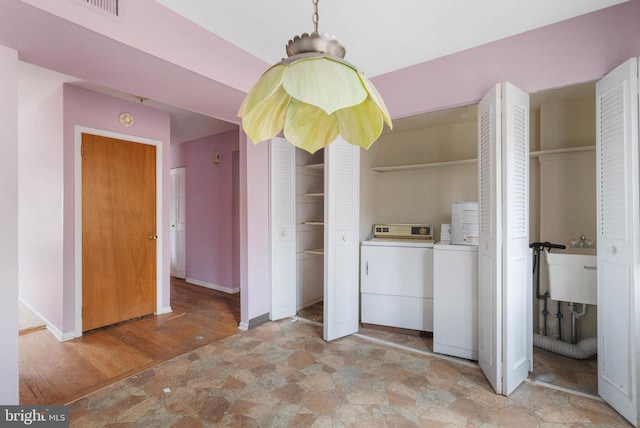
(309, 228)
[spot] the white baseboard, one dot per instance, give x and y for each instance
(243, 326)
(165, 310)
(213, 286)
(62, 337)
(67, 336)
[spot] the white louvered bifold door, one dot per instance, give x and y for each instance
(283, 228)
(618, 238)
(490, 236)
(516, 274)
(341, 250)
(504, 275)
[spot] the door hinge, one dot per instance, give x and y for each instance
(81, 149)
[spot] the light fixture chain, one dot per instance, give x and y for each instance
(316, 16)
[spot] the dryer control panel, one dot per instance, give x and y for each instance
(420, 231)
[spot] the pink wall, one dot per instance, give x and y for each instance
(150, 27)
(9, 226)
(41, 210)
(577, 50)
(149, 51)
(93, 110)
(254, 205)
(208, 198)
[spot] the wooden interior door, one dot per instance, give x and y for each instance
(118, 230)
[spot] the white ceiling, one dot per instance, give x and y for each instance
(380, 35)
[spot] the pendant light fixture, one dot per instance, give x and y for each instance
(314, 96)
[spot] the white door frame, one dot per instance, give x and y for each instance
(78, 131)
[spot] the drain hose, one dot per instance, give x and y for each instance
(579, 351)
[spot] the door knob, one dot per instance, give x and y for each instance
(153, 237)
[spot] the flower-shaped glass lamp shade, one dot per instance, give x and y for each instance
(314, 97)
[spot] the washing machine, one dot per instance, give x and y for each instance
(455, 296)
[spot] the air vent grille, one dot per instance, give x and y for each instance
(109, 6)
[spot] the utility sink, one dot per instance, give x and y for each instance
(572, 277)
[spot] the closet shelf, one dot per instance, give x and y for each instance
(315, 166)
(314, 223)
(424, 165)
(563, 150)
(475, 161)
(318, 194)
(319, 251)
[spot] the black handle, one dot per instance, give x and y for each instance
(547, 244)
(560, 246)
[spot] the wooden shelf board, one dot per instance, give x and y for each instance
(475, 161)
(424, 165)
(319, 251)
(315, 166)
(563, 150)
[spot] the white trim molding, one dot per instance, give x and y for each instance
(213, 286)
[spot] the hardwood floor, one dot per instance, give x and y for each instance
(53, 372)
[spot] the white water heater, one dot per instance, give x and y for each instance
(464, 223)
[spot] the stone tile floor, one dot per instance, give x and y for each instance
(549, 368)
(282, 374)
